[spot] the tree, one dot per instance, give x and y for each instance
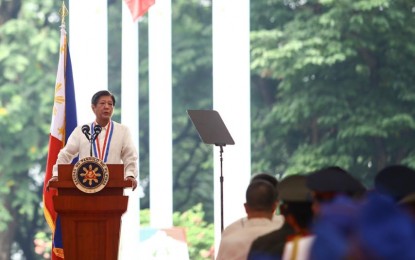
(29, 42)
(340, 71)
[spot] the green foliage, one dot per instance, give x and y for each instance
(5, 218)
(342, 84)
(192, 88)
(29, 45)
(199, 233)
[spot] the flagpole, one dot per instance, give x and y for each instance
(63, 12)
(63, 118)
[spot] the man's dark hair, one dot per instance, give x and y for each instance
(301, 211)
(96, 96)
(260, 195)
(266, 177)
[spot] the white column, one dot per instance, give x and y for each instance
(88, 45)
(231, 98)
(130, 229)
(160, 117)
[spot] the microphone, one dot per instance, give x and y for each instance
(97, 131)
(85, 130)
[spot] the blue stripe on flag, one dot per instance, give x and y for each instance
(71, 123)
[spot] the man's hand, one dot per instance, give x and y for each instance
(54, 178)
(133, 180)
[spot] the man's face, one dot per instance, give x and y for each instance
(104, 108)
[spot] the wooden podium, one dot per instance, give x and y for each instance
(91, 222)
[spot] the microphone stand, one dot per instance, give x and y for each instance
(94, 134)
(91, 141)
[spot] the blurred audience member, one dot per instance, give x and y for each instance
(396, 181)
(329, 182)
(277, 220)
(375, 228)
(295, 206)
(260, 208)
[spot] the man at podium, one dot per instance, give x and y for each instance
(104, 139)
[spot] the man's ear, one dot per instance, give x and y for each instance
(275, 206)
(246, 208)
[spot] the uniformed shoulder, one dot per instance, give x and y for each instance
(274, 241)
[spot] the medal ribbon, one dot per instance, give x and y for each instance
(103, 155)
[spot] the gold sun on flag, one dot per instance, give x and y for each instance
(90, 175)
(61, 131)
(63, 48)
(58, 98)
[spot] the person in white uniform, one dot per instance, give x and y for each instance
(277, 219)
(260, 207)
(114, 145)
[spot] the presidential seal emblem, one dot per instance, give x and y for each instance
(90, 174)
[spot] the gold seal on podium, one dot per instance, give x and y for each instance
(90, 174)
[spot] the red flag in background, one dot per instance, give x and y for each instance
(63, 122)
(138, 7)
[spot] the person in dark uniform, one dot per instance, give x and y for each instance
(396, 181)
(295, 199)
(351, 223)
(330, 182)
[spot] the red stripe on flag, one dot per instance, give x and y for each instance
(54, 147)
